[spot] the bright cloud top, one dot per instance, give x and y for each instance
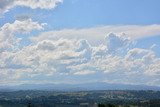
(115, 60)
(73, 55)
(8, 31)
(96, 35)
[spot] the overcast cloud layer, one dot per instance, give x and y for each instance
(74, 55)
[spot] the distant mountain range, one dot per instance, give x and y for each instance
(78, 87)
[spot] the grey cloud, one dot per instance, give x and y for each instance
(5, 5)
(46, 45)
(116, 42)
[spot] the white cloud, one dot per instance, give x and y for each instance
(6, 5)
(96, 35)
(70, 58)
(117, 42)
(10, 70)
(154, 69)
(90, 53)
(42, 4)
(8, 75)
(8, 31)
(84, 72)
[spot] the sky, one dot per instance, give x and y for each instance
(79, 41)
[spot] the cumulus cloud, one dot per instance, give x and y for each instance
(8, 31)
(8, 75)
(6, 5)
(9, 69)
(154, 69)
(96, 35)
(76, 55)
(84, 72)
(117, 42)
(42, 4)
(69, 58)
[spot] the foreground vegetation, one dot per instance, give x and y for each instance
(109, 98)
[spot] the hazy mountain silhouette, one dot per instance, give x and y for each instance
(78, 87)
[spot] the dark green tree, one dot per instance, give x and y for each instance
(29, 105)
